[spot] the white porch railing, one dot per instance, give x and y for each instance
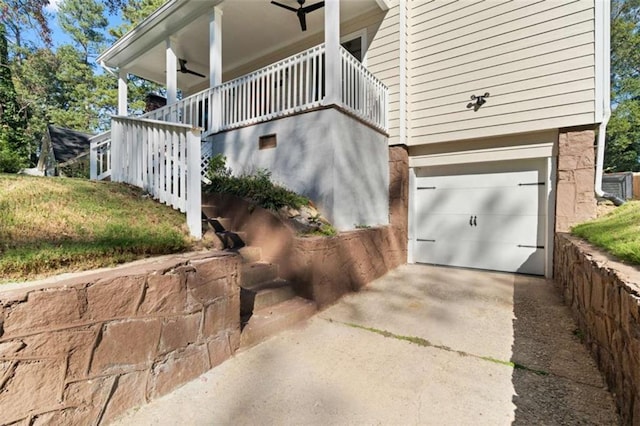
(100, 156)
(292, 85)
(163, 159)
(362, 93)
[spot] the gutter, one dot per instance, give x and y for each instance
(604, 53)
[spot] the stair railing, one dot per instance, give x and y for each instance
(163, 159)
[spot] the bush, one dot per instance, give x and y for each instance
(256, 187)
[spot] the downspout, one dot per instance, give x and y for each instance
(107, 69)
(605, 53)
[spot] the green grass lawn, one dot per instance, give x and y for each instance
(618, 232)
(53, 225)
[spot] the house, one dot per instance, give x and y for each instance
(494, 107)
(64, 152)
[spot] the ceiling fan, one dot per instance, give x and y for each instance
(185, 70)
(301, 11)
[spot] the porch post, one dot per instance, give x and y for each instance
(333, 75)
(214, 109)
(172, 74)
(123, 78)
(215, 47)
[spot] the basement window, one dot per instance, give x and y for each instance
(267, 142)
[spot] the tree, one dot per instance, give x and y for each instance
(18, 15)
(12, 121)
(85, 22)
(133, 12)
(623, 133)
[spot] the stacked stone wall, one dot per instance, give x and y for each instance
(604, 296)
(325, 269)
(575, 200)
(83, 350)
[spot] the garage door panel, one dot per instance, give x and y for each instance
(484, 180)
(486, 215)
(517, 230)
(481, 255)
(506, 200)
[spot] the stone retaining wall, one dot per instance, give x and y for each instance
(85, 349)
(325, 269)
(604, 296)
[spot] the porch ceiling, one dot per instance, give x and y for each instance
(250, 30)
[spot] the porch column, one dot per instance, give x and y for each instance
(333, 74)
(215, 47)
(172, 74)
(215, 69)
(123, 78)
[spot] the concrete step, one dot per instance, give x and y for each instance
(250, 254)
(209, 210)
(224, 223)
(267, 322)
(264, 295)
(255, 273)
(232, 240)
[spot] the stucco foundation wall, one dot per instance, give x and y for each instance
(83, 350)
(604, 296)
(338, 162)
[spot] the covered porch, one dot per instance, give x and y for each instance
(228, 65)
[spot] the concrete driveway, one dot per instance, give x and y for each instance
(422, 345)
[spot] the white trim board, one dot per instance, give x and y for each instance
(517, 152)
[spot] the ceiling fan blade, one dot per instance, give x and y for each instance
(284, 6)
(303, 21)
(313, 7)
(195, 73)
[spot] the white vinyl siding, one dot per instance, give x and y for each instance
(535, 58)
(383, 60)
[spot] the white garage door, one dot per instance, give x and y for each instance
(487, 216)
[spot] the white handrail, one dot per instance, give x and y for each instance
(163, 159)
(362, 93)
(291, 85)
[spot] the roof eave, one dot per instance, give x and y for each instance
(137, 33)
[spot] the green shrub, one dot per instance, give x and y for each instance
(256, 187)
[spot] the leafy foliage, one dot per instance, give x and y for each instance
(60, 84)
(133, 12)
(618, 232)
(256, 187)
(623, 133)
(12, 120)
(85, 22)
(21, 15)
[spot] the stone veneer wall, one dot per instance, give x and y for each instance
(83, 350)
(604, 296)
(325, 269)
(575, 200)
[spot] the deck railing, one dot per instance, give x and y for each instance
(362, 93)
(286, 87)
(292, 85)
(163, 159)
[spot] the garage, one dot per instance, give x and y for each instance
(489, 215)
